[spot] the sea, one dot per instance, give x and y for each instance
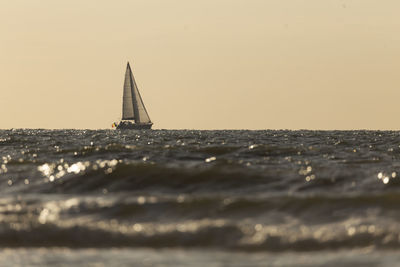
(199, 198)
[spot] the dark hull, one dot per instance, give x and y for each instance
(133, 126)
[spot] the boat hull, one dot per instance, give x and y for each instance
(134, 126)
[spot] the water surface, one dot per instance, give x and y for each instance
(278, 196)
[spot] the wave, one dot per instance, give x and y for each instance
(253, 223)
(200, 234)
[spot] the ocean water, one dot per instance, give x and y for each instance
(195, 198)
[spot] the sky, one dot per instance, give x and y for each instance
(210, 64)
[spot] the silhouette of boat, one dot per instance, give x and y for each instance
(134, 113)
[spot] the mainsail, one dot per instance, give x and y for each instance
(133, 107)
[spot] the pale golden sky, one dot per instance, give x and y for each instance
(210, 64)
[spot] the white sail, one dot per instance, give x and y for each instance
(133, 107)
(140, 110)
(127, 100)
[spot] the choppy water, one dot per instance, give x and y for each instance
(216, 195)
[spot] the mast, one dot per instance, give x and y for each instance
(134, 97)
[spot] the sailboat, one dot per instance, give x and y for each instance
(134, 113)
